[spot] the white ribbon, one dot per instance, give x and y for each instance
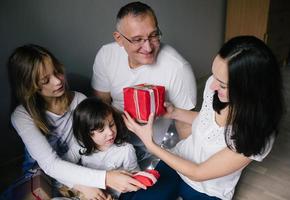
(152, 98)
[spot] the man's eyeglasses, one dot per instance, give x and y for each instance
(139, 41)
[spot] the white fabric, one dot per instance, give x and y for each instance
(111, 73)
(207, 138)
(116, 157)
(121, 157)
(40, 149)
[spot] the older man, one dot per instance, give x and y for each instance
(138, 57)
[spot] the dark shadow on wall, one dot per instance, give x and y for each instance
(79, 83)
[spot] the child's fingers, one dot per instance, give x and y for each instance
(102, 195)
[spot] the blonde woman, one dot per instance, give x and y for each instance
(43, 120)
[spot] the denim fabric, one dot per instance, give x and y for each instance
(168, 187)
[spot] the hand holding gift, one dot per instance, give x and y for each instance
(148, 177)
(143, 99)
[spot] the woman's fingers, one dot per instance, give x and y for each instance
(122, 181)
(135, 185)
(150, 119)
(126, 173)
(126, 118)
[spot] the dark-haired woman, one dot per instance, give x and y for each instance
(241, 110)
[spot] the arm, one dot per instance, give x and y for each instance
(122, 181)
(104, 96)
(182, 94)
(48, 160)
(220, 164)
(183, 129)
(183, 119)
(185, 116)
(100, 78)
(40, 150)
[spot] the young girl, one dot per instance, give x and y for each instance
(43, 120)
(238, 121)
(101, 133)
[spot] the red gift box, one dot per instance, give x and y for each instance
(148, 177)
(143, 99)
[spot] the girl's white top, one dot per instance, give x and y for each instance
(46, 152)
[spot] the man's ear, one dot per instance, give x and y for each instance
(117, 36)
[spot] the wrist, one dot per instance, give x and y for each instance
(107, 178)
(174, 114)
(151, 146)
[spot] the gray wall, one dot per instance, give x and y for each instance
(74, 30)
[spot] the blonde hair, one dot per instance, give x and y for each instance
(25, 64)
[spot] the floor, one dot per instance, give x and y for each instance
(268, 180)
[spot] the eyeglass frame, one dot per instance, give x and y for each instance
(159, 35)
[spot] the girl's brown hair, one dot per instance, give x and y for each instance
(24, 67)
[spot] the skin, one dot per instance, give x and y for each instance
(105, 137)
(93, 193)
(51, 85)
(220, 164)
(220, 74)
(134, 27)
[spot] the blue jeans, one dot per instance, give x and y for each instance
(168, 187)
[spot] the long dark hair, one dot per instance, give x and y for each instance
(90, 115)
(255, 93)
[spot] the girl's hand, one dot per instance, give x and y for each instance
(170, 108)
(93, 193)
(109, 197)
(122, 181)
(144, 132)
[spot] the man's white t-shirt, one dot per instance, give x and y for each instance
(121, 157)
(111, 73)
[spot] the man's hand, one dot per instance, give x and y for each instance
(170, 108)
